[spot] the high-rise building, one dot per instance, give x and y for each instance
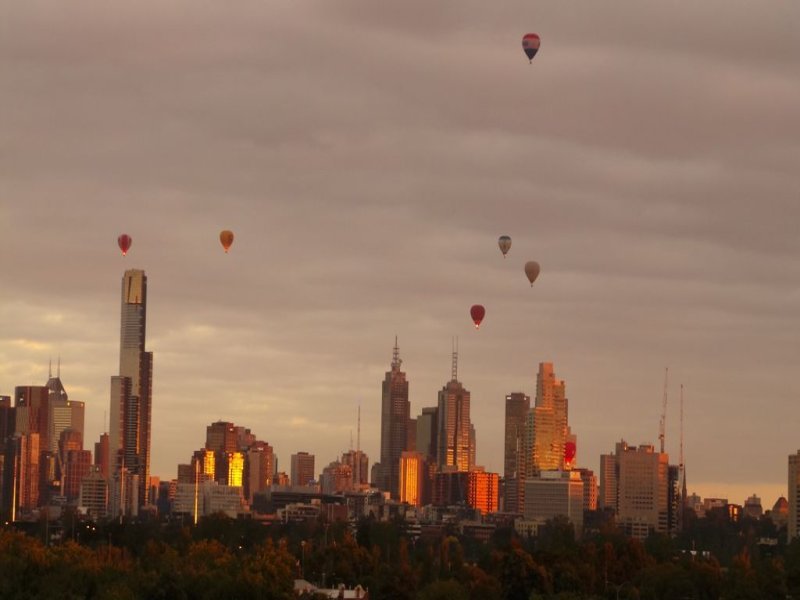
(101, 458)
(547, 427)
(302, 468)
(427, 430)
(483, 490)
(94, 494)
(77, 465)
(395, 415)
(454, 451)
(589, 489)
(518, 406)
(793, 529)
(131, 396)
(31, 403)
(642, 478)
(222, 437)
(336, 478)
(259, 469)
(412, 477)
(359, 465)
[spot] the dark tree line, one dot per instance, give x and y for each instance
(242, 559)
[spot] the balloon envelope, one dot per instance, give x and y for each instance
(530, 44)
(477, 312)
(505, 244)
(532, 270)
(124, 242)
(569, 451)
(226, 239)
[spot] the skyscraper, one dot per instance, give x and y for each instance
(302, 468)
(547, 425)
(395, 415)
(131, 398)
(454, 448)
(642, 483)
(517, 407)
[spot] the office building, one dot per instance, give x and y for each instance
(550, 494)
(547, 427)
(412, 477)
(642, 478)
(302, 468)
(455, 452)
(483, 491)
(518, 406)
(395, 417)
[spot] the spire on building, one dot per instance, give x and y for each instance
(396, 360)
(454, 368)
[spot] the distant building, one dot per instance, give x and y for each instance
(302, 468)
(642, 488)
(93, 498)
(395, 420)
(546, 428)
(589, 489)
(483, 491)
(77, 466)
(413, 473)
(131, 401)
(518, 406)
(551, 494)
(455, 451)
(752, 507)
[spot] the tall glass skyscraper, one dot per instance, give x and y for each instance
(131, 400)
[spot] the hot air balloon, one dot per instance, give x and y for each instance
(530, 44)
(477, 312)
(226, 239)
(532, 270)
(505, 244)
(124, 242)
(569, 451)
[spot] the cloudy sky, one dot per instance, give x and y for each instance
(367, 156)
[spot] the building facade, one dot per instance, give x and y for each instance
(395, 417)
(518, 405)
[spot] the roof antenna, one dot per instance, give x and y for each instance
(455, 359)
(58, 373)
(396, 361)
(50, 368)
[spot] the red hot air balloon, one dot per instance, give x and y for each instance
(124, 242)
(530, 44)
(477, 312)
(569, 452)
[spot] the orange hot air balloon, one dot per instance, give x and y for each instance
(477, 312)
(124, 242)
(532, 270)
(226, 239)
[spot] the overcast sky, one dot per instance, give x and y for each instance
(367, 155)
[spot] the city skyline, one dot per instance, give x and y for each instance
(646, 159)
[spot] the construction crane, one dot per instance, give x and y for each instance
(662, 424)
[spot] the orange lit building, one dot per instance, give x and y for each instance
(235, 469)
(482, 491)
(413, 473)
